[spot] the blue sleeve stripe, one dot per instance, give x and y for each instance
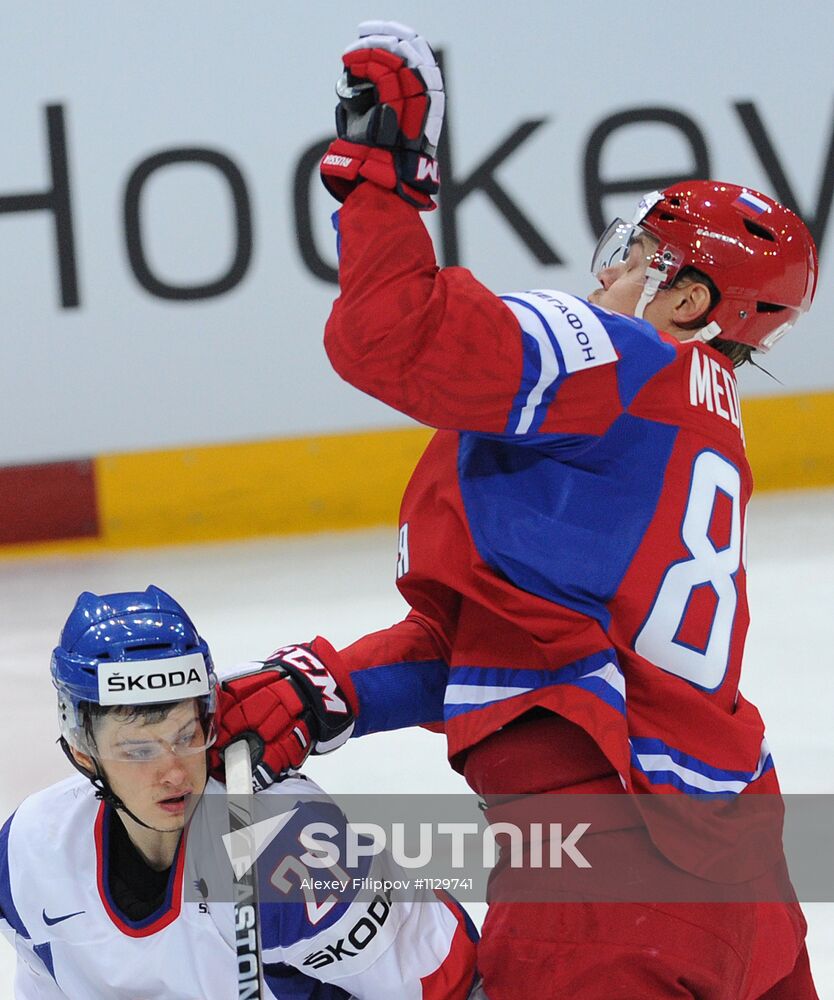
(525, 678)
(7, 907)
(676, 781)
(666, 765)
(644, 745)
(399, 695)
(547, 366)
(476, 687)
(604, 690)
(530, 376)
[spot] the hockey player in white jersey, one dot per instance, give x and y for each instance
(94, 870)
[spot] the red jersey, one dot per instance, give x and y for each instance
(573, 536)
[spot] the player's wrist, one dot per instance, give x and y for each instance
(337, 666)
(325, 688)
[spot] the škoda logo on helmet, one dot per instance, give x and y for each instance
(138, 682)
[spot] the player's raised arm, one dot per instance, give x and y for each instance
(434, 342)
(403, 330)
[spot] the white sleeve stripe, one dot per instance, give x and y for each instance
(534, 326)
(650, 763)
(612, 676)
(476, 694)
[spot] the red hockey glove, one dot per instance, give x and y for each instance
(412, 175)
(299, 701)
(389, 116)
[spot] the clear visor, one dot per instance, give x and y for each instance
(613, 246)
(184, 729)
(629, 243)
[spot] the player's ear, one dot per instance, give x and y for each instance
(83, 760)
(691, 303)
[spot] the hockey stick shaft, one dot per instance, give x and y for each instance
(238, 765)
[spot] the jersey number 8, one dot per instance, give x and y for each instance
(709, 566)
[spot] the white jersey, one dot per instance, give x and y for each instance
(73, 942)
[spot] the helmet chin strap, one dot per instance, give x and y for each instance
(654, 277)
(103, 790)
(707, 333)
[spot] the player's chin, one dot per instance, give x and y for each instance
(164, 823)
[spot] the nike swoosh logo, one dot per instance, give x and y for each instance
(49, 921)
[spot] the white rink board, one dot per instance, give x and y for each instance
(253, 83)
(247, 598)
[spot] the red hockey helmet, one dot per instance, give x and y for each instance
(759, 255)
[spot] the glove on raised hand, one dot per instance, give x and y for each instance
(389, 117)
(299, 701)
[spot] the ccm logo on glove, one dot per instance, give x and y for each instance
(427, 168)
(317, 673)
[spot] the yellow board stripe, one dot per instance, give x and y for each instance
(271, 487)
(348, 481)
(790, 440)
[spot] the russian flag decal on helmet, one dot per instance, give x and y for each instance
(750, 204)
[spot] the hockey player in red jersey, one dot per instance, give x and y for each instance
(572, 542)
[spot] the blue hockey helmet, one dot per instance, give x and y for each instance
(130, 650)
